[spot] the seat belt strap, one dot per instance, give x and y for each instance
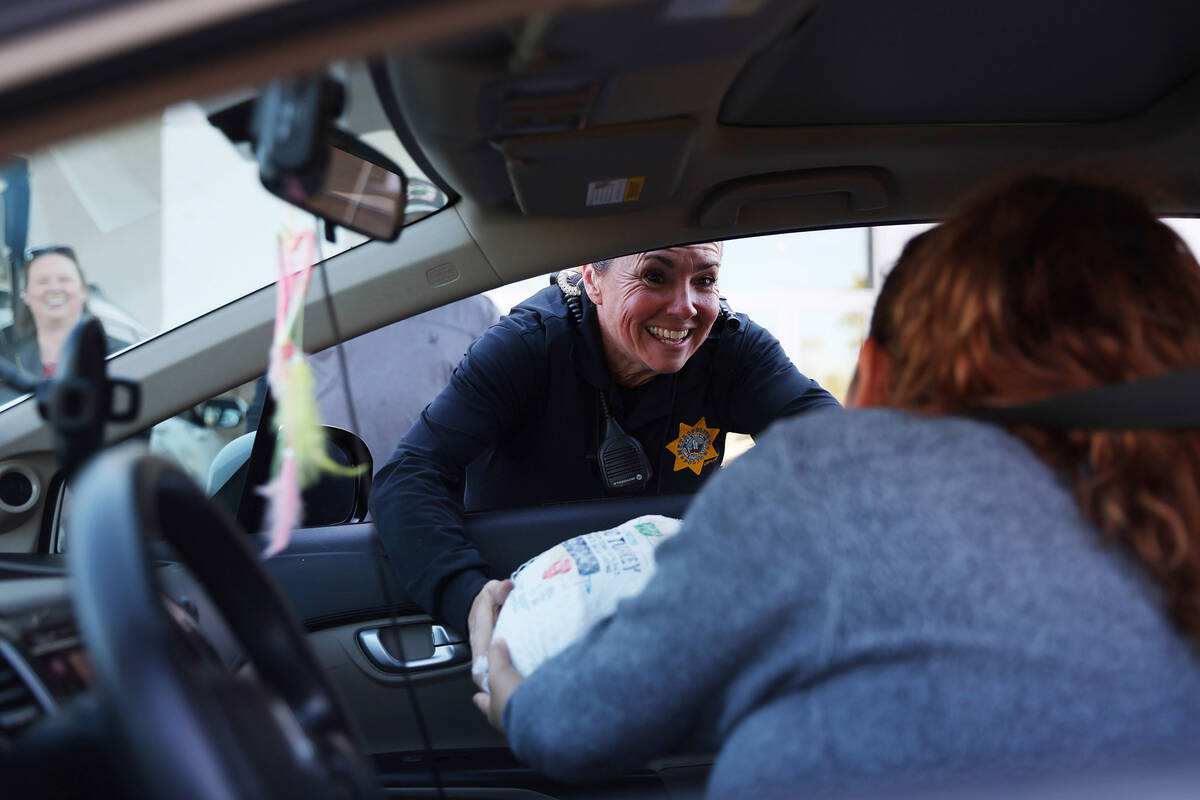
(1170, 402)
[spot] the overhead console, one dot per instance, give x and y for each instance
(587, 113)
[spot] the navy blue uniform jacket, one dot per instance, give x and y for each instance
(519, 424)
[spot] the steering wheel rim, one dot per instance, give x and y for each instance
(195, 732)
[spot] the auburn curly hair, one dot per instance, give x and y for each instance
(1044, 286)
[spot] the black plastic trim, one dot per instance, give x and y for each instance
(50, 507)
(359, 454)
(32, 565)
(507, 539)
(327, 575)
(391, 109)
(498, 769)
(252, 505)
(26, 674)
(325, 572)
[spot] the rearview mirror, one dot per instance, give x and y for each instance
(361, 190)
(332, 500)
(305, 159)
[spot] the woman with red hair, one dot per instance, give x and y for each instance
(907, 590)
(1042, 289)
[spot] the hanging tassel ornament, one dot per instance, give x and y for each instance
(300, 454)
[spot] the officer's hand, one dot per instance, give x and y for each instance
(482, 619)
(503, 680)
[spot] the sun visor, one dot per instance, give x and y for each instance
(600, 170)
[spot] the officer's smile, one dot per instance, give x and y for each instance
(669, 336)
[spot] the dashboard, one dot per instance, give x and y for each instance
(42, 663)
(51, 723)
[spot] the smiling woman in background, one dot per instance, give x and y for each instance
(55, 297)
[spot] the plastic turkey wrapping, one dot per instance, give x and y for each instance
(561, 593)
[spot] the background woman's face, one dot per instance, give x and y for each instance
(54, 291)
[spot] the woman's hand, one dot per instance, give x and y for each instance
(481, 619)
(503, 680)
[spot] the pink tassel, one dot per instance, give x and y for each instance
(283, 505)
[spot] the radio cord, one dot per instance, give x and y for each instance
(394, 621)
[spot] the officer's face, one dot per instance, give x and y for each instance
(656, 308)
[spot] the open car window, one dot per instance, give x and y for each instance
(825, 283)
(813, 290)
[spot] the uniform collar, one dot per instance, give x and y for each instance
(587, 348)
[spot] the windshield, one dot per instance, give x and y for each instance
(152, 224)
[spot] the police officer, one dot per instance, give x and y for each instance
(628, 385)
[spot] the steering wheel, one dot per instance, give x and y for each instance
(192, 728)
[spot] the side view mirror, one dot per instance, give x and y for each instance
(337, 499)
(333, 500)
(221, 412)
(423, 199)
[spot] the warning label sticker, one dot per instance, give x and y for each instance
(633, 189)
(617, 190)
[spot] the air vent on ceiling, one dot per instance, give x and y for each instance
(20, 706)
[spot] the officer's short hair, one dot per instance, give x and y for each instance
(603, 264)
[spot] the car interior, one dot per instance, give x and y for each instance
(151, 655)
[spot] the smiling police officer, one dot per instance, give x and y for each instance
(629, 385)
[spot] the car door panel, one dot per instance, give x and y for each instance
(507, 539)
(336, 574)
(347, 596)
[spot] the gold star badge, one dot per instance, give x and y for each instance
(694, 447)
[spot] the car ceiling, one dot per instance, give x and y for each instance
(741, 116)
(748, 117)
(738, 116)
(1020, 61)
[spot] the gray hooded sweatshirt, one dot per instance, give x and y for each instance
(867, 597)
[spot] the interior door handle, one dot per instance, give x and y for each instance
(446, 651)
